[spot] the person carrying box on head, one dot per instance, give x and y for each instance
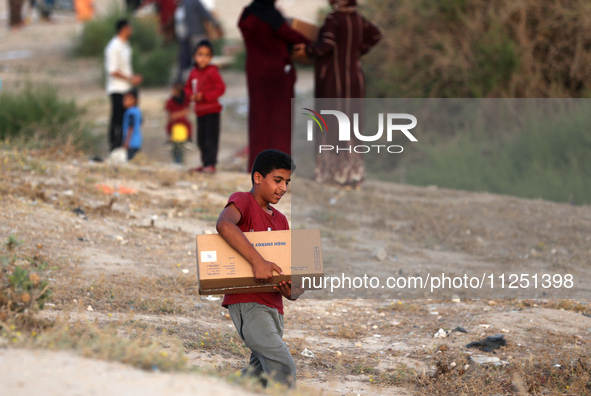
(258, 317)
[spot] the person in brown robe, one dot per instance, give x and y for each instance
(342, 40)
(270, 76)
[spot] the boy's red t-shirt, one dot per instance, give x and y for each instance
(254, 218)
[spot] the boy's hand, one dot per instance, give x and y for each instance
(289, 292)
(198, 97)
(299, 50)
(136, 79)
(263, 272)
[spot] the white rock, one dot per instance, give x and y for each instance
(381, 254)
(89, 309)
(307, 353)
(440, 334)
(483, 359)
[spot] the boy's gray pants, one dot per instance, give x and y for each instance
(261, 328)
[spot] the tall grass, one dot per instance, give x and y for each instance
(480, 48)
(548, 160)
(38, 116)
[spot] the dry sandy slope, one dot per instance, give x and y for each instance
(62, 373)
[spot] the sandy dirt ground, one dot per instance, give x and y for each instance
(359, 346)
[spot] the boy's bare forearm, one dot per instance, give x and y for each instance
(262, 270)
(236, 239)
(128, 137)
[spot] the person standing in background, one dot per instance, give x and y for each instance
(15, 8)
(84, 10)
(205, 86)
(46, 8)
(270, 76)
(132, 124)
(189, 29)
(166, 9)
(342, 40)
(120, 78)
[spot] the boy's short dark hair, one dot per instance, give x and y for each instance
(269, 160)
(204, 43)
(121, 23)
(134, 92)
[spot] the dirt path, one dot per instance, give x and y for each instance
(128, 259)
(65, 373)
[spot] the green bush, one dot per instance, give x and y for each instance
(95, 35)
(156, 66)
(38, 115)
(146, 36)
(548, 160)
(23, 291)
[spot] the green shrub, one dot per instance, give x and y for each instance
(23, 291)
(38, 115)
(146, 36)
(96, 34)
(155, 66)
(548, 160)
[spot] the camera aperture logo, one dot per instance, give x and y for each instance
(391, 126)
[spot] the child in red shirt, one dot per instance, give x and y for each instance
(178, 127)
(258, 317)
(205, 86)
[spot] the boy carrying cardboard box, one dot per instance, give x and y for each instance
(258, 317)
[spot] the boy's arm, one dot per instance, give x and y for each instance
(326, 41)
(228, 229)
(128, 137)
(371, 36)
(288, 290)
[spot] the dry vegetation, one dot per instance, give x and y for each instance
(500, 48)
(119, 292)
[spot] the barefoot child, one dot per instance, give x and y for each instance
(258, 317)
(132, 124)
(205, 86)
(178, 127)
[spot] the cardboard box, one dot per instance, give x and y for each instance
(307, 30)
(222, 270)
